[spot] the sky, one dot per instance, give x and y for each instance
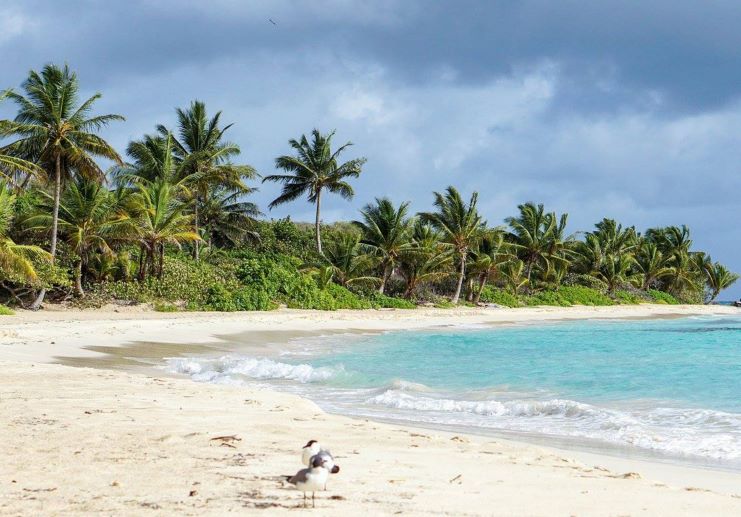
(628, 110)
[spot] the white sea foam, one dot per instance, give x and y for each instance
(229, 369)
(695, 432)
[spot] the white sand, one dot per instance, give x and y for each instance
(78, 441)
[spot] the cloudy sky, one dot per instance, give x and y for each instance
(630, 110)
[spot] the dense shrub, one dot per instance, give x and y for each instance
(662, 297)
(6, 311)
(499, 296)
(629, 298)
(183, 280)
(379, 300)
(567, 296)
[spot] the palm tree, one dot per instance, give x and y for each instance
(513, 274)
(59, 132)
(228, 220)
(385, 231)
(651, 265)
(718, 277)
(460, 226)
(11, 166)
(488, 258)
(616, 270)
(344, 262)
(91, 219)
(161, 219)
(16, 260)
(314, 169)
(538, 236)
(206, 157)
(426, 260)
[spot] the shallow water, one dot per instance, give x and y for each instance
(666, 387)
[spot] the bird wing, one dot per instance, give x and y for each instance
(299, 477)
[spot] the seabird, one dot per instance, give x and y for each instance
(311, 450)
(311, 479)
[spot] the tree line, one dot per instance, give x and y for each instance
(67, 224)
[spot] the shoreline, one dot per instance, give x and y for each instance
(28, 339)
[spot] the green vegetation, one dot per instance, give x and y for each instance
(173, 226)
(6, 311)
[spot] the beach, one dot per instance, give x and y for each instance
(102, 432)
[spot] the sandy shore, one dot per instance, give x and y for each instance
(79, 440)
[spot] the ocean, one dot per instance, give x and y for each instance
(662, 388)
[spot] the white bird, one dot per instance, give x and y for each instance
(311, 479)
(311, 449)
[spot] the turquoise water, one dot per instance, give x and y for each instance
(672, 387)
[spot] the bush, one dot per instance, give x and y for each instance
(165, 307)
(662, 297)
(379, 300)
(628, 298)
(6, 311)
(567, 296)
(499, 296)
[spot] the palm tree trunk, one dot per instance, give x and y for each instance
(78, 279)
(54, 224)
(142, 271)
(197, 248)
(482, 284)
(162, 260)
(317, 228)
(461, 275)
(384, 278)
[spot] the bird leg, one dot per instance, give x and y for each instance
(304, 499)
(313, 503)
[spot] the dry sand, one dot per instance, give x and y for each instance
(79, 440)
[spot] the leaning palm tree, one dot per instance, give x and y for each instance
(91, 220)
(718, 277)
(460, 226)
(315, 168)
(16, 260)
(206, 156)
(58, 132)
(385, 231)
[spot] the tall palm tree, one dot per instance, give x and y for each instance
(385, 231)
(718, 277)
(16, 260)
(312, 170)
(206, 157)
(59, 132)
(162, 219)
(538, 236)
(460, 226)
(91, 220)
